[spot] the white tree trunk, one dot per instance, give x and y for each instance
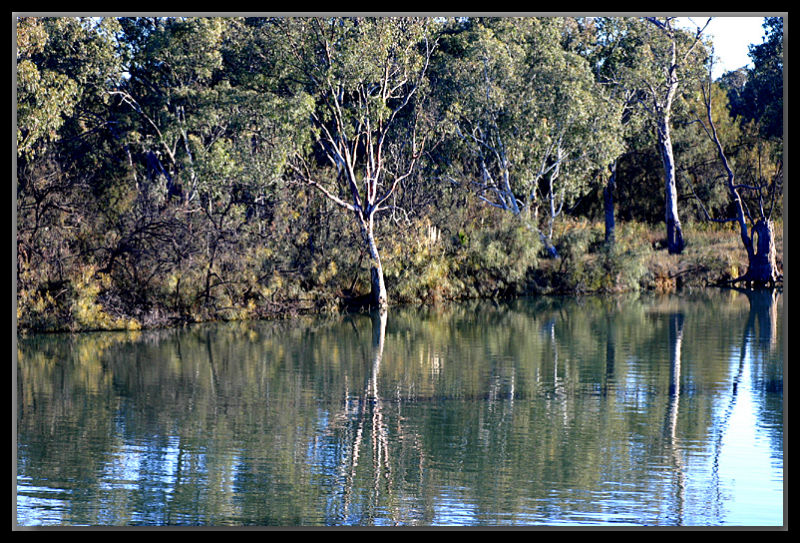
(378, 296)
(675, 243)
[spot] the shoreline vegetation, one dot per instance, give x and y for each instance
(174, 170)
(438, 270)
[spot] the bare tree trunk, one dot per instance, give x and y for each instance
(675, 243)
(378, 297)
(662, 109)
(760, 241)
(762, 268)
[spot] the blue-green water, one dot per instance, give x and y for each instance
(652, 411)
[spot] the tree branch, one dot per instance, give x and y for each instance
(307, 179)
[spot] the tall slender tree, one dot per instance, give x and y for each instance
(665, 60)
(756, 229)
(675, 56)
(611, 55)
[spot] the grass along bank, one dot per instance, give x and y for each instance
(491, 256)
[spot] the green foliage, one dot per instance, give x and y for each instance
(498, 258)
(621, 267)
(526, 113)
(416, 265)
(762, 95)
(490, 256)
(77, 304)
(160, 161)
(62, 63)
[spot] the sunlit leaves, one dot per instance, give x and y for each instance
(522, 104)
(60, 61)
(44, 98)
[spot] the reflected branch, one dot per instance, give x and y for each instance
(764, 314)
(379, 431)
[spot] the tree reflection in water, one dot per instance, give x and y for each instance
(671, 418)
(521, 413)
(364, 415)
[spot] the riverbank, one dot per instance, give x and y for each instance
(496, 260)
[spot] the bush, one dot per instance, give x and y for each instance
(496, 258)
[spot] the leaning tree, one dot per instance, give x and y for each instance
(753, 203)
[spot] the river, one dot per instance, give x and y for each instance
(640, 411)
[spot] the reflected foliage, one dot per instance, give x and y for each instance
(538, 411)
(167, 168)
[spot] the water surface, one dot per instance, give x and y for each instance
(660, 411)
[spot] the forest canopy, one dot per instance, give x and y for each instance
(176, 169)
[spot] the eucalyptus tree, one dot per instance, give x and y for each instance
(65, 129)
(611, 54)
(365, 76)
(758, 102)
(44, 96)
(65, 67)
(168, 103)
(530, 118)
(196, 103)
(762, 96)
(752, 201)
(208, 132)
(665, 59)
(172, 71)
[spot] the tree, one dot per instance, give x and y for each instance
(44, 96)
(209, 131)
(662, 96)
(763, 92)
(758, 239)
(531, 119)
(756, 102)
(612, 55)
(365, 75)
(64, 147)
(173, 74)
(666, 60)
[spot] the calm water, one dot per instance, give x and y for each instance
(650, 411)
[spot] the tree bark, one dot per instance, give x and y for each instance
(675, 242)
(760, 241)
(662, 109)
(378, 297)
(762, 268)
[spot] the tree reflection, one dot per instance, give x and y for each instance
(478, 415)
(365, 421)
(369, 410)
(762, 320)
(671, 419)
(762, 329)
(758, 340)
